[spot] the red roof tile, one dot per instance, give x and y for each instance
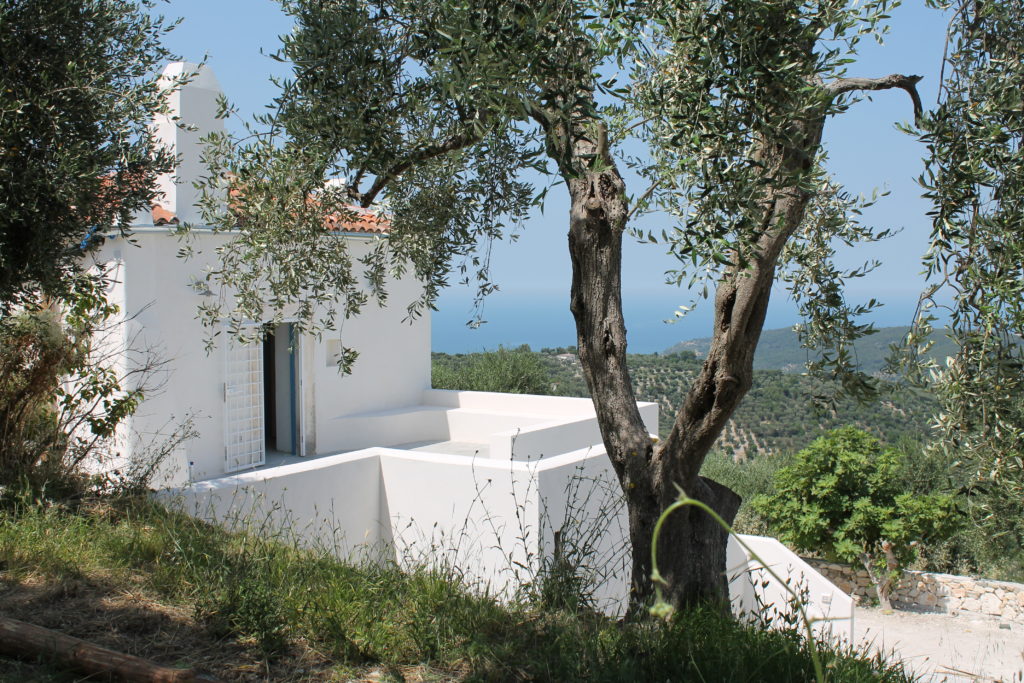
(162, 216)
(366, 221)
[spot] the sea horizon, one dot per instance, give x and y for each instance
(543, 320)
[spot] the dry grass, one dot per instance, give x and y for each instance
(126, 617)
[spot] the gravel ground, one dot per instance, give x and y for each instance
(940, 647)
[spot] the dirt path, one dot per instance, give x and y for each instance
(940, 647)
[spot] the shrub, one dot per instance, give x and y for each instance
(62, 398)
(843, 496)
(512, 371)
(34, 353)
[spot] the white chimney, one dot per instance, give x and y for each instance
(193, 115)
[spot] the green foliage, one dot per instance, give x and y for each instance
(734, 98)
(381, 616)
(409, 109)
(842, 496)
(974, 177)
(513, 371)
(34, 352)
(78, 90)
(61, 398)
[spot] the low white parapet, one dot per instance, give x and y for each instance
(496, 524)
(759, 595)
(514, 426)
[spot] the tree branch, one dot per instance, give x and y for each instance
(643, 198)
(908, 83)
(353, 187)
(452, 144)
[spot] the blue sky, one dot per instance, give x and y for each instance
(865, 152)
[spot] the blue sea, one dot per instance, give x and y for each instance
(543, 320)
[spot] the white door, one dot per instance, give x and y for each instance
(243, 407)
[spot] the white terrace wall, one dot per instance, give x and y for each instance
(511, 426)
(755, 591)
(494, 524)
(490, 521)
(934, 592)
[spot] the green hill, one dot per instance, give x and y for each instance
(780, 349)
(779, 415)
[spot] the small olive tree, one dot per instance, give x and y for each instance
(842, 496)
(78, 89)
(974, 177)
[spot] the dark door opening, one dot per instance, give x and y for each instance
(280, 395)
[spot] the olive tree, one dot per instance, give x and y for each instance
(431, 110)
(78, 89)
(975, 178)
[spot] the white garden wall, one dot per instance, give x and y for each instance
(493, 522)
(754, 591)
(332, 503)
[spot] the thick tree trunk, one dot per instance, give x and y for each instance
(692, 555)
(692, 547)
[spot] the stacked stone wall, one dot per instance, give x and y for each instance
(934, 592)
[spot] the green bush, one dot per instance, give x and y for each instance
(34, 353)
(843, 496)
(512, 371)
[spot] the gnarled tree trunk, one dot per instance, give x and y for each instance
(692, 546)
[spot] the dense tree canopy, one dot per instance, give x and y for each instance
(431, 111)
(78, 89)
(975, 262)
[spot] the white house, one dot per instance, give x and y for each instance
(371, 464)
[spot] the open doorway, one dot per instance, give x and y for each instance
(280, 390)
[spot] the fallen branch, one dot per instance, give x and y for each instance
(20, 639)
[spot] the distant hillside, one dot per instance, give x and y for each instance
(780, 349)
(779, 415)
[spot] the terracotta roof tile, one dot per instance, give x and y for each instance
(162, 216)
(366, 221)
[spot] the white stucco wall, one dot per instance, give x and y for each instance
(332, 504)
(754, 591)
(492, 524)
(161, 311)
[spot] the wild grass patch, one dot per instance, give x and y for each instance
(253, 593)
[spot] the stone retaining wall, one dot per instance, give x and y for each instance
(936, 592)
